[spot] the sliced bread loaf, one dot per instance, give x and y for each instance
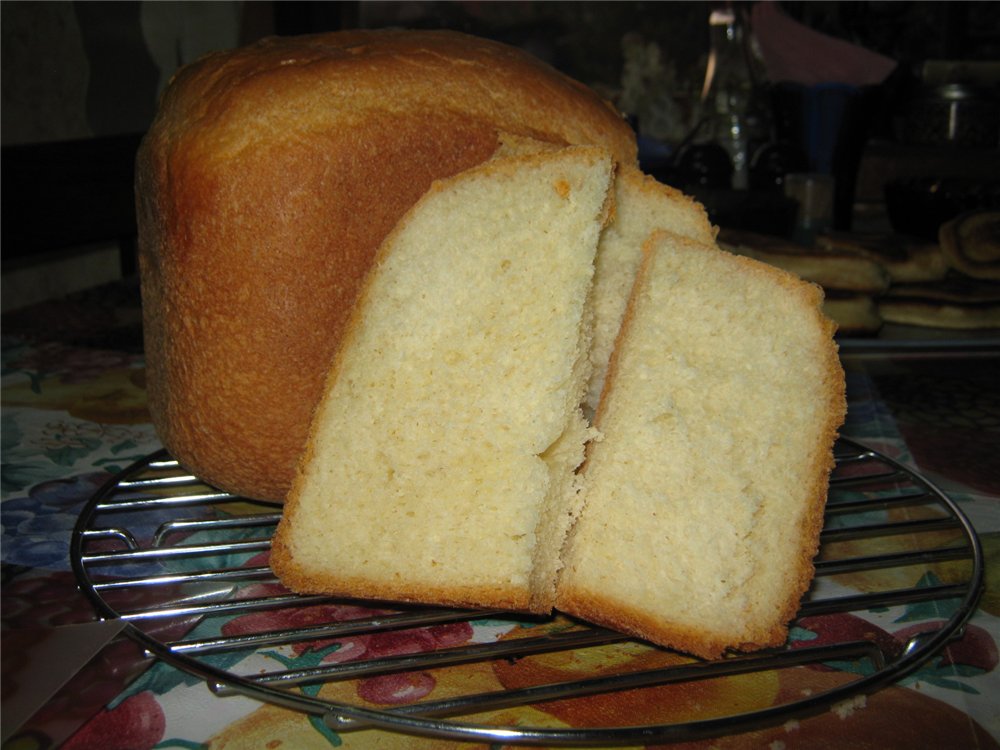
(703, 500)
(440, 465)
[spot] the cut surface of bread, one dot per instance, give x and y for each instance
(642, 206)
(440, 465)
(703, 499)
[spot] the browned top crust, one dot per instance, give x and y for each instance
(267, 181)
(286, 87)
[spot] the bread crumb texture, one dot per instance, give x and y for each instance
(703, 499)
(641, 205)
(443, 424)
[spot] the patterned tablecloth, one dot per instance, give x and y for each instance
(74, 413)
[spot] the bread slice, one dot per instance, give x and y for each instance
(703, 500)
(265, 184)
(440, 465)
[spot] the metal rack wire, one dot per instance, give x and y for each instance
(180, 562)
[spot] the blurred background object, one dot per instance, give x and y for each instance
(813, 192)
(896, 102)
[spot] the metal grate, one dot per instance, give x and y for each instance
(184, 565)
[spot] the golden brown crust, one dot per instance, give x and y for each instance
(471, 597)
(268, 179)
(610, 613)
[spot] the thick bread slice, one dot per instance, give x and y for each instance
(441, 461)
(704, 499)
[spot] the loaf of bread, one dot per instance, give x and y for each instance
(441, 463)
(704, 498)
(266, 183)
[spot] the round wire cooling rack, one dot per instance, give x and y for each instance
(185, 567)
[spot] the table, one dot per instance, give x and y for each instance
(74, 413)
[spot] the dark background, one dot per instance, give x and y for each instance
(81, 79)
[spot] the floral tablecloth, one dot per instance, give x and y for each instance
(74, 413)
